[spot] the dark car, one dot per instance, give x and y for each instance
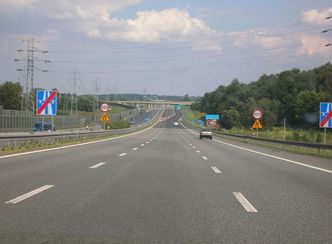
(43, 126)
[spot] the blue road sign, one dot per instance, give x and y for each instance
(46, 102)
(325, 115)
(212, 116)
(200, 123)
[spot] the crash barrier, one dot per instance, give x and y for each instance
(20, 121)
(38, 139)
(291, 143)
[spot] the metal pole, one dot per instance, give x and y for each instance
(324, 135)
(52, 123)
(257, 132)
(284, 129)
(43, 122)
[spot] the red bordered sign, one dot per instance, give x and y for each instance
(257, 114)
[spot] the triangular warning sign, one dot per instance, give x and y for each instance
(104, 117)
(257, 125)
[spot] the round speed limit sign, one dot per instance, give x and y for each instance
(104, 107)
(257, 114)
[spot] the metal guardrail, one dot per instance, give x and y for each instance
(77, 135)
(291, 143)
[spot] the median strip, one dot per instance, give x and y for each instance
(29, 194)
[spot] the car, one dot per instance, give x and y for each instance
(176, 123)
(205, 133)
(132, 121)
(43, 126)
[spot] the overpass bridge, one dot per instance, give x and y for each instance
(155, 103)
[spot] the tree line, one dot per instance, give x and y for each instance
(293, 95)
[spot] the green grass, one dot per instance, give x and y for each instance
(190, 115)
(121, 124)
(277, 133)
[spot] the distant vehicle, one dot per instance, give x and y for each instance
(132, 121)
(43, 126)
(205, 133)
(176, 123)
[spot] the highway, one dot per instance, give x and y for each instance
(164, 185)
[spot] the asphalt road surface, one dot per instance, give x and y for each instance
(164, 185)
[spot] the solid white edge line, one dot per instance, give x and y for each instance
(122, 154)
(216, 170)
(77, 145)
(135, 148)
(244, 202)
(97, 165)
(204, 157)
(29, 194)
(266, 155)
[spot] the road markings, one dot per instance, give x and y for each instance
(97, 165)
(198, 151)
(245, 203)
(122, 154)
(194, 147)
(142, 145)
(205, 158)
(265, 154)
(216, 170)
(29, 194)
(190, 144)
(135, 148)
(147, 142)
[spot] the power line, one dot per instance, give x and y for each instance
(29, 68)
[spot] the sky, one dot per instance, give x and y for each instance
(163, 47)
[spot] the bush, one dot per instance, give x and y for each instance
(121, 124)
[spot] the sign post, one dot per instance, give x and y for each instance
(325, 117)
(257, 114)
(46, 105)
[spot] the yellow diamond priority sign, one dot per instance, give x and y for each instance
(104, 117)
(257, 125)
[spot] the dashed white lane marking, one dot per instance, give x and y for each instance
(97, 165)
(265, 154)
(216, 170)
(151, 139)
(122, 154)
(29, 194)
(205, 158)
(147, 142)
(135, 148)
(142, 145)
(198, 151)
(245, 203)
(190, 144)
(194, 147)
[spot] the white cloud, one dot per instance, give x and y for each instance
(65, 9)
(316, 17)
(313, 45)
(153, 26)
(96, 19)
